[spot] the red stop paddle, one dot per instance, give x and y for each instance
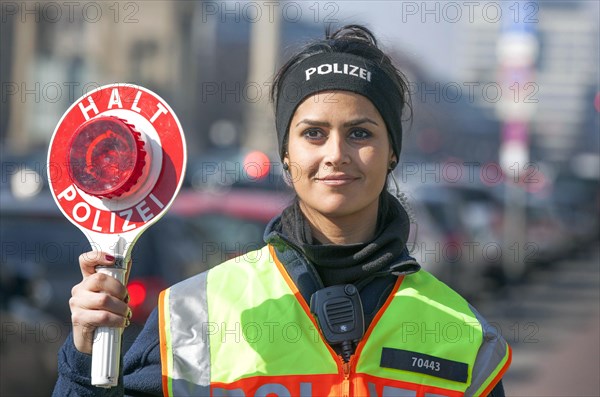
(115, 164)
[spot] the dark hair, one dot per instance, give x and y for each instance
(350, 39)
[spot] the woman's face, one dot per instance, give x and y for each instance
(339, 153)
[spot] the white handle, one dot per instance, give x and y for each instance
(106, 349)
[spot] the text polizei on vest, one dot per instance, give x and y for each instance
(327, 68)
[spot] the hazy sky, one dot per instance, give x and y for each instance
(400, 25)
(429, 32)
(403, 25)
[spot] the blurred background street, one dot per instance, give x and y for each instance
(553, 322)
(500, 164)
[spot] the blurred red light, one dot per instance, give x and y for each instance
(257, 165)
(137, 293)
(106, 157)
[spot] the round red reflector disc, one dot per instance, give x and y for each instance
(106, 157)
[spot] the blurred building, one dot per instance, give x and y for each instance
(53, 53)
(566, 71)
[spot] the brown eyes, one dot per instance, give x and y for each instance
(360, 133)
(315, 134)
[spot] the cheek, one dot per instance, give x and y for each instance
(374, 160)
(303, 164)
(301, 175)
(376, 169)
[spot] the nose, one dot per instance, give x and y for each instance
(336, 150)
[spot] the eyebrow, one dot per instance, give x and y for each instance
(347, 124)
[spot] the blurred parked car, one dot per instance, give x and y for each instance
(577, 203)
(547, 231)
(547, 236)
(425, 243)
(465, 245)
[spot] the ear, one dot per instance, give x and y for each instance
(393, 157)
(391, 154)
(285, 161)
(393, 162)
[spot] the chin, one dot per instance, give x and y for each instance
(337, 207)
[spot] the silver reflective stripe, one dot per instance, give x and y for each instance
(434, 395)
(490, 354)
(189, 340)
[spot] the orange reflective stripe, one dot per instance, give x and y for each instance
(374, 386)
(303, 303)
(500, 374)
(375, 321)
(163, 343)
(290, 385)
(361, 344)
(291, 284)
(326, 385)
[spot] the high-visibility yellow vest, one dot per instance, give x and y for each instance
(242, 329)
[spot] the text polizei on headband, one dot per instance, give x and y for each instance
(327, 68)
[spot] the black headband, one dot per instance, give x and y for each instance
(345, 72)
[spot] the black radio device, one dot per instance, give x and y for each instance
(339, 313)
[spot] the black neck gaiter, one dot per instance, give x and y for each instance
(340, 264)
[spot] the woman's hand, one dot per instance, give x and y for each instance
(98, 300)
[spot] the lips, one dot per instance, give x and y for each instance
(336, 179)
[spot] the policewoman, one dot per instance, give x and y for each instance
(333, 305)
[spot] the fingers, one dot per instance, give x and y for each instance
(98, 301)
(100, 292)
(99, 310)
(88, 299)
(89, 260)
(101, 282)
(85, 321)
